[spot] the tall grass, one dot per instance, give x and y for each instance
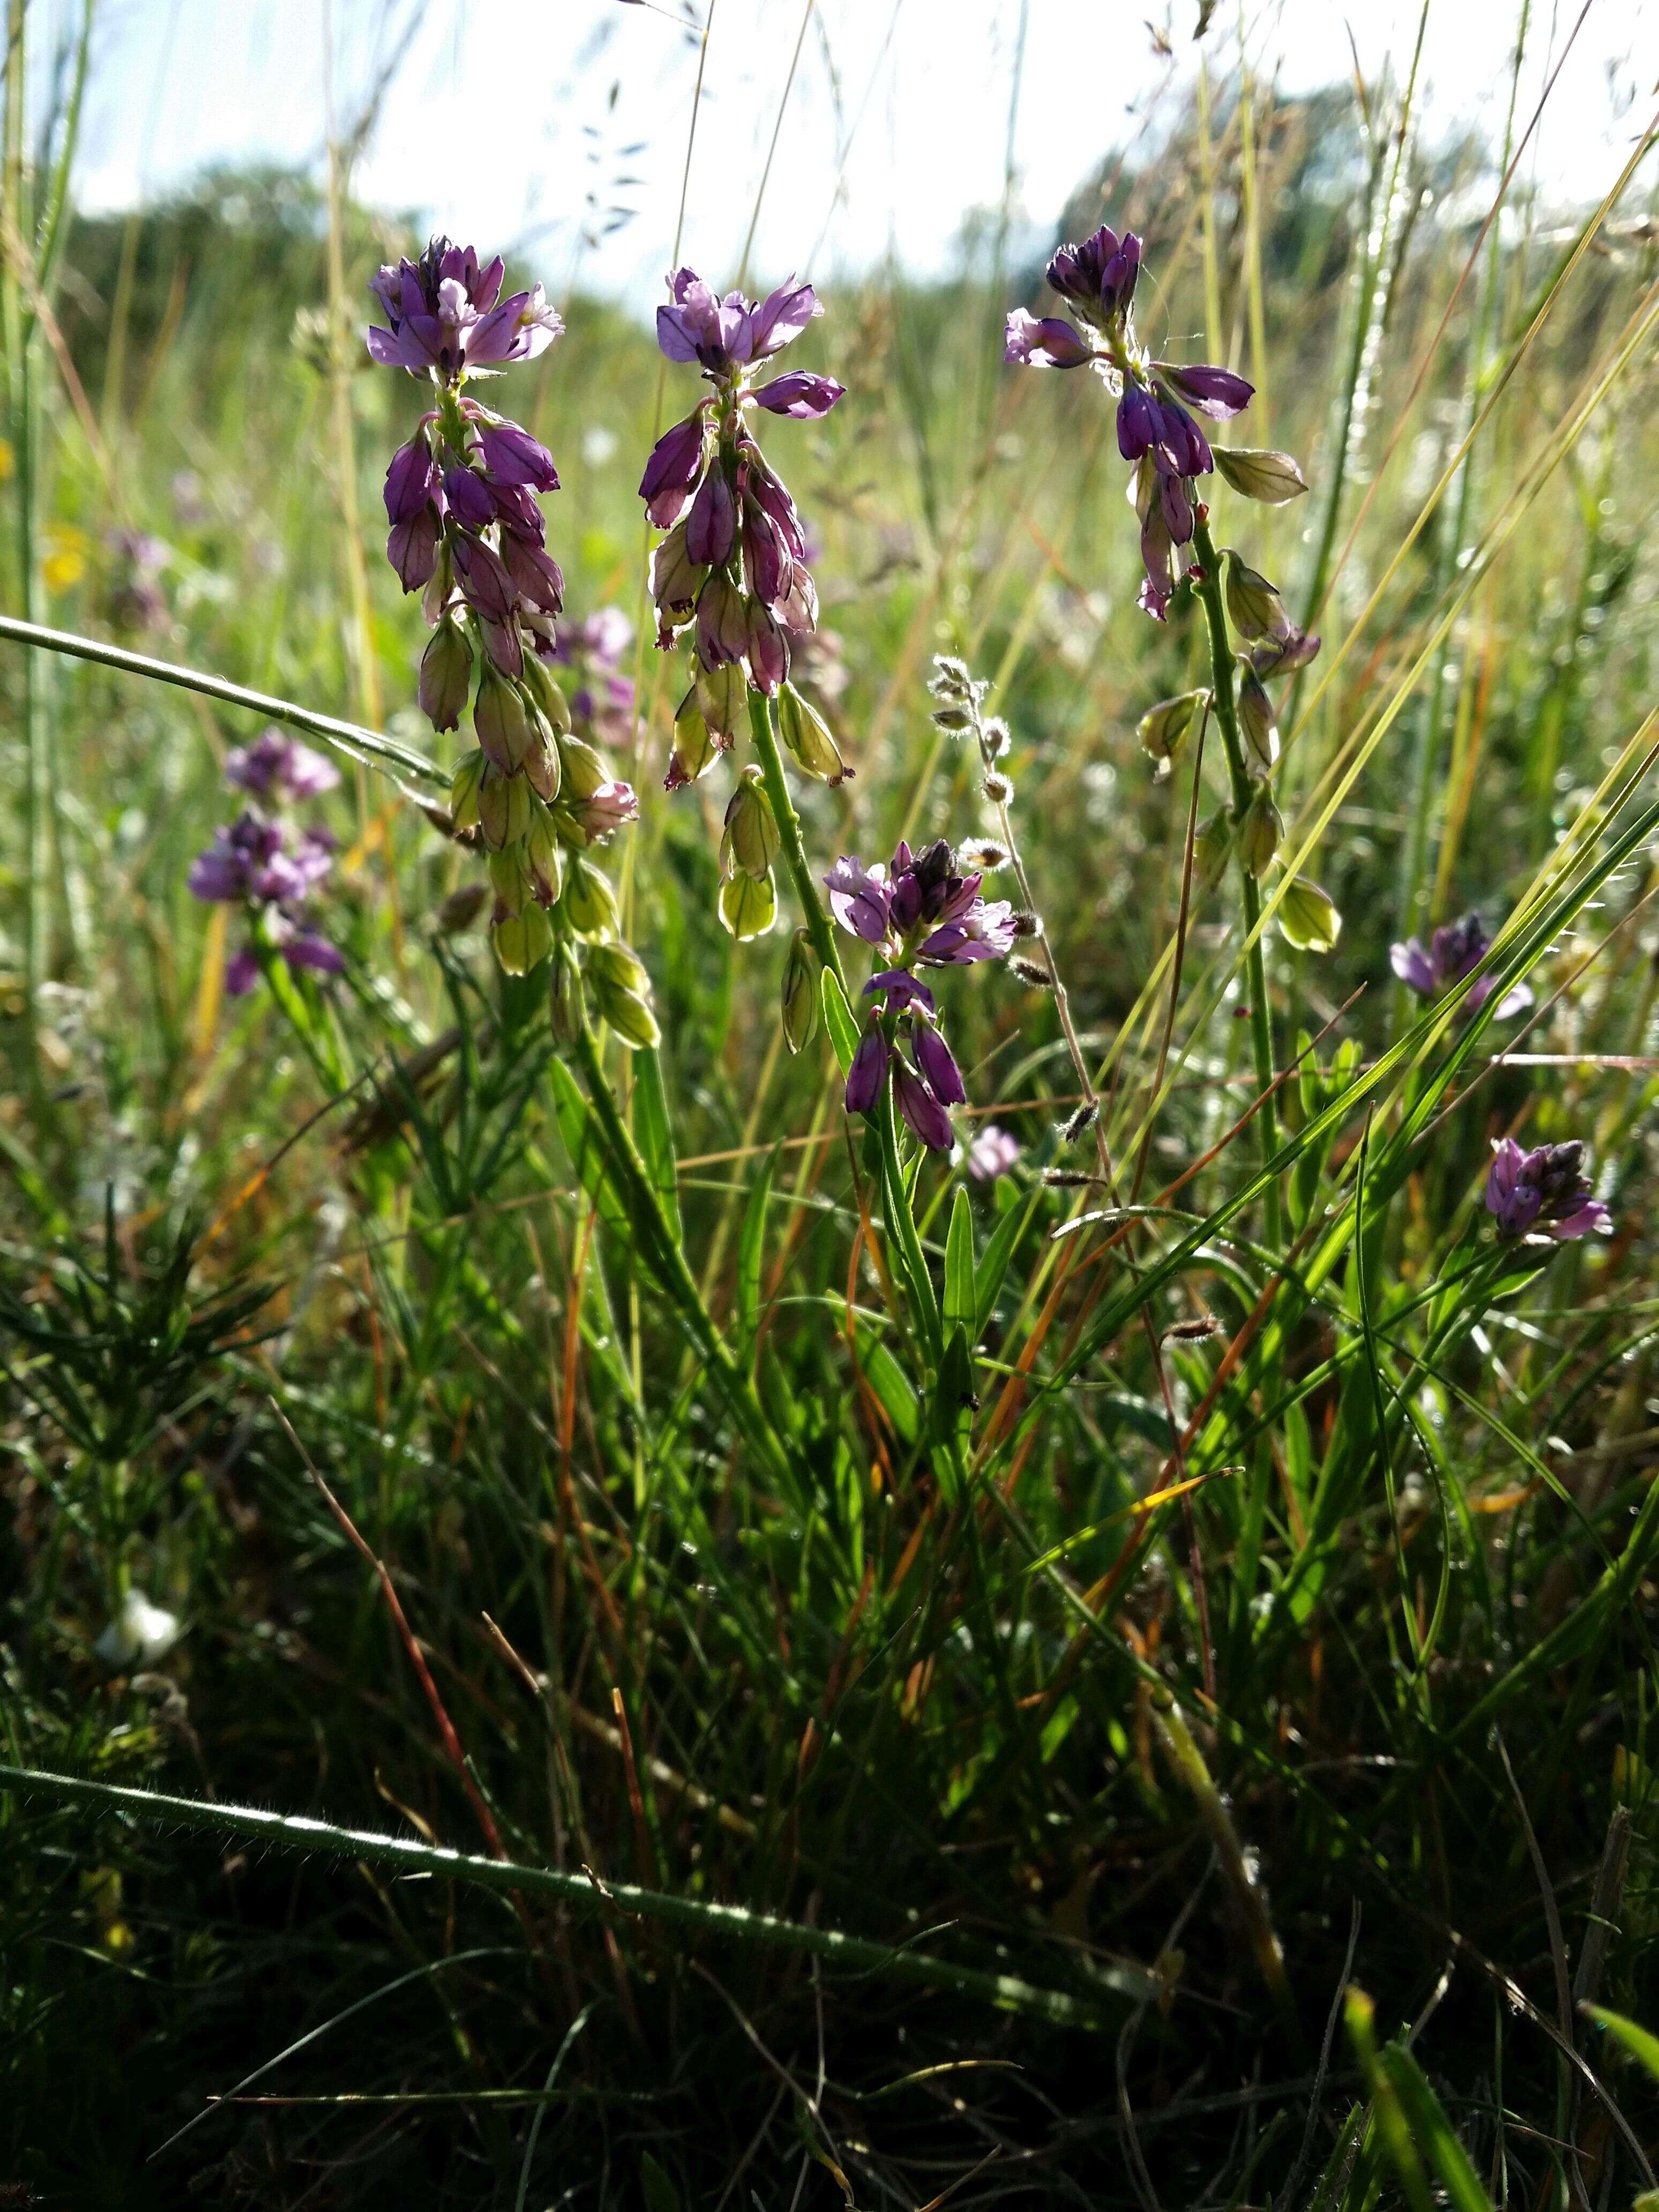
(723, 1661)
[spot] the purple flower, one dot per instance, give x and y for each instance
(938, 1064)
(1216, 392)
(410, 481)
(412, 548)
(675, 465)
(800, 394)
(485, 583)
(992, 1153)
(925, 1113)
(903, 991)
(869, 1070)
(1050, 343)
(1543, 1190)
(468, 498)
(1098, 277)
(518, 330)
(781, 317)
(711, 528)
(248, 864)
(921, 907)
(512, 456)
(696, 326)
(604, 810)
(1454, 952)
(276, 763)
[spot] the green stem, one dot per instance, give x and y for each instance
(1226, 715)
(904, 1224)
(794, 853)
(585, 1892)
(669, 1262)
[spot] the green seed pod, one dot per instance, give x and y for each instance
(446, 674)
(750, 841)
(1211, 847)
(514, 886)
(1273, 478)
(523, 940)
(806, 734)
(589, 905)
(621, 991)
(1257, 724)
(543, 766)
(544, 853)
(1163, 726)
(631, 1017)
(1253, 607)
(802, 989)
(440, 587)
(501, 719)
(696, 747)
(749, 905)
(1260, 832)
(723, 695)
(504, 804)
(538, 682)
(1308, 918)
(464, 791)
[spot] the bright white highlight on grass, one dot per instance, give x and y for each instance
(501, 125)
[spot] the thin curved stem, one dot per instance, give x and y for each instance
(807, 894)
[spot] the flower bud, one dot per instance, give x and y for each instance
(768, 648)
(589, 905)
(522, 940)
(801, 987)
(502, 720)
(464, 791)
(696, 748)
(509, 875)
(583, 769)
(544, 853)
(621, 991)
(1260, 832)
(750, 841)
(723, 695)
(952, 677)
(1308, 918)
(806, 734)
(1253, 607)
(461, 909)
(1273, 478)
(953, 717)
(1257, 724)
(1211, 847)
(722, 624)
(543, 764)
(504, 803)
(565, 993)
(749, 905)
(446, 674)
(538, 682)
(1163, 726)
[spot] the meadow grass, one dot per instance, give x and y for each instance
(723, 1661)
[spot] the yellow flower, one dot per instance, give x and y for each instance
(66, 556)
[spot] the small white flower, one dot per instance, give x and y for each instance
(141, 1631)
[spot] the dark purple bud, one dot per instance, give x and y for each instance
(485, 583)
(868, 1071)
(771, 495)
(766, 562)
(1049, 342)
(1076, 271)
(412, 548)
(711, 528)
(1177, 508)
(1119, 275)
(923, 1112)
(518, 512)
(1216, 392)
(768, 648)
(934, 1058)
(306, 950)
(504, 645)
(242, 969)
(1137, 422)
(800, 394)
(675, 465)
(410, 481)
(513, 457)
(1544, 1189)
(1182, 449)
(902, 988)
(536, 574)
(469, 498)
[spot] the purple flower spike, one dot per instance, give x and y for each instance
(938, 1064)
(924, 1114)
(1050, 343)
(868, 1071)
(800, 394)
(1543, 1190)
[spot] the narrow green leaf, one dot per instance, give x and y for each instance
(751, 1249)
(961, 1302)
(994, 1261)
(1431, 2131)
(585, 1144)
(838, 1020)
(655, 1131)
(1642, 2047)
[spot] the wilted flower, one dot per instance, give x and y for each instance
(1155, 428)
(992, 1153)
(278, 767)
(1454, 951)
(1543, 1190)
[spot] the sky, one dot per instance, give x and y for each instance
(557, 129)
